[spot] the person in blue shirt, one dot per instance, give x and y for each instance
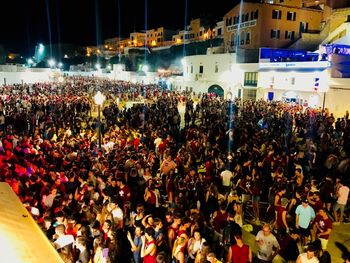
(304, 214)
(136, 244)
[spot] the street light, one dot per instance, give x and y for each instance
(99, 99)
(145, 68)
(30, 62)
(51, 62)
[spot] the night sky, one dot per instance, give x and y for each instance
(24, 23)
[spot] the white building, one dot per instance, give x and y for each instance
(300, 82)
(218, 73)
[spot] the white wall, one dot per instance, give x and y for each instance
(338, 96)
(27, 77)
(230, 76)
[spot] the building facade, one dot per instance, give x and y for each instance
(218, 73)
(137, 39)
(159, 37)
(193, 32)
(269, 24)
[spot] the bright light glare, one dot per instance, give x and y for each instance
(41, 48)
(145, 68)
(98, 66)
(99, 98)
(30, 61)
(60, 65)
(51, 62)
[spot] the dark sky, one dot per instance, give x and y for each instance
(24, 23)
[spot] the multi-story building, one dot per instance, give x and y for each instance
(159, 37)
(220, 74)
(112, 43)
(218, 31)
(137, 39)
(193, 32)
(322, 3)
(273, 23)
(123, 43)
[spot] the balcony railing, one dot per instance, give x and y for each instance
(242, 25)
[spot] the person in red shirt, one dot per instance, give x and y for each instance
(239, 252)
(323, 226)
(281, 217)
(124, 190)
(316, 202)
(219, 218)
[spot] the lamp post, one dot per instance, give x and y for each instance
(99, 99)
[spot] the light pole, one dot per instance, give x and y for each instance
(99, 99)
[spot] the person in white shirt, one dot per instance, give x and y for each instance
(62, 239)
(342, 199)
(308, 256)
(226, 177)
(116, 212)
(195, 244)
(267, 244)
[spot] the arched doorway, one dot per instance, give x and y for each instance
(217, 90)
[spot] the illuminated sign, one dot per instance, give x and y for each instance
(337, 49)
(311, 64)
(242, 25)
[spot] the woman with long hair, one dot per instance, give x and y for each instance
(178, 253)
(201, 256)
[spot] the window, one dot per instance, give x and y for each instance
(200, 33)
(242, 37)
(226, 21)
(275, 34)
(281, 1)
(251, 79)
(233, 39)
(201, 69)
(230, 21)
(276, 14)
(252, 15)
(247, 17)
(158, 39)
(191, 68)
(304, 26)
(219, 32)
(292, 81)
(249, 94)
(289, 35)
(216, 68)
(291, 16)
(256, 15)
(247, 38)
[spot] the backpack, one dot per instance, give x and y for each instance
(230, 230)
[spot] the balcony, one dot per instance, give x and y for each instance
(242, 25)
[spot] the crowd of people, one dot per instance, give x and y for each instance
(170, 188)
